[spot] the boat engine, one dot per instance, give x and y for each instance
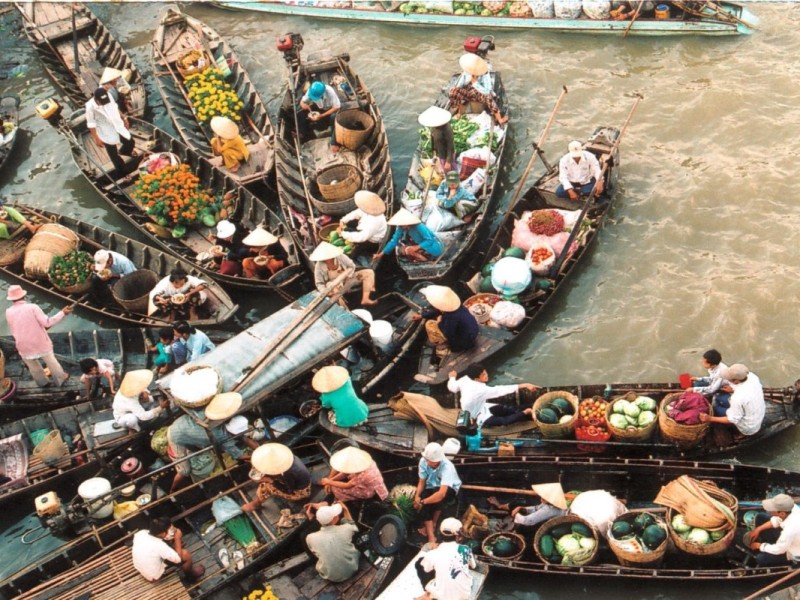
(290, 44)
(54, 515)
(479, 45)
(50, 110)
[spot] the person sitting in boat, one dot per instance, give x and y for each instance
(624, 10)
(163, 350)
(474, 393)
(337, 557)
(190, 343)
(366, 226)
(11, 220)
(187, 436)
(747, 407)
(450, 562)
(278, 473)
(228, 144)
(232, 249)
(318, 106)
(180, 295)
(6, 129)
(475, 85)
(553, 503)
(713, 386)
(442, 138)
(412, 238)
(354, 476)
(109, 128)
(458, 200)
(455, 329)
(266, 255)
(109, 267)
(331, 262)
(151, 551)
(132, 393)
(438, 484)
(776, 536)
(94, 372)
(578, 173)
(346, 409)
(115, 82)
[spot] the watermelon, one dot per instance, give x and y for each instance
(582, 530)
(514, 252)
(642, 522)
(486, 286)
(547, 415)
(543, 284)
(560, 531)
(562, 405)
(486, 271)
(547, 545)
(653, 536)
(620, 529)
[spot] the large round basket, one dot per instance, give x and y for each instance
(566, 521)
(339, 182)
(556, 430)
(128, 290)
(193, 379)
(324, 233)
(192, 70)
(353, 128)
(698, 549)
(515, 540)
(686, 436)
(634, 434)
(630, 558)
(79, 288)
(11, 251)
(333, 208)
(49, 241)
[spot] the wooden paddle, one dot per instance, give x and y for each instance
(505, 490)
(775, 584)
(305, 186)
(717, 11)
(633, 18)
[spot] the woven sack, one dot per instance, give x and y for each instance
(556, 430)
(701, 503)
(49, 241)
(339, 182)
(686, 436)
(11, 251)
(51, 449)
(353, 127)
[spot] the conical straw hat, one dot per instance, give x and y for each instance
(223, 406)
(434, 116)
(259, 237)
(404, 217)
(553, 493)
(329, 379)
(325, 251)
(224, 127)
(109, 75)
(351, 460)
(272, 459)
(370, 202)
(441, 297)
(135, 382)
(473, 64)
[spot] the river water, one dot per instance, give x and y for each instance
(700, 249)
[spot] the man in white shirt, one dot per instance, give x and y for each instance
(151, 552)
(127, 407)
(451, 562)
(319, 106)
(475, 393)
(747, 407)
(109, 128)
(371, 223)
(783, 515)
(578, 173)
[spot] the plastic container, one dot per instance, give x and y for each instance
(662, 12)
(381, 333)
(364, 314)
(94, 488)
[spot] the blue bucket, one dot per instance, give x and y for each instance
(474, 441)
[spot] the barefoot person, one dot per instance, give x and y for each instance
(331, 262)
(337, 557)
(354, 476)
(438, 484)
(475, 85)
(151, 551)
(279, 473)
(474, 393)
(412, 238)
(228, 144)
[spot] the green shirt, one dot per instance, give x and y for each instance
(349, 409)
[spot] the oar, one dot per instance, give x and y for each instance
(717, 10)
(633, 18)
(505, 490)
(590, 199)
(760, 593)
(305, 186)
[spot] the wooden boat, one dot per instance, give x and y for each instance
(177, 34)
(9, 110)
(248, 210)
(603, 142)
(638, 482)
(93, 238)
(457, 242)
(407, 584)
(297, 577)
(427, 420)
(126, 348)
(301, 165)
(74, 47)
(713, 18)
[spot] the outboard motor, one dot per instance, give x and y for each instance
(479, 45)
(290, 44)
(54, 515)
(50, 110)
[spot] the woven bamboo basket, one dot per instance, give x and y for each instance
(339, 182)
(51, 449)
(556, 430)
(192, 70)
(628, 558)
(517, 539)
(333, 208)
(698, 549)
(11, 251)
(637, 434)
(353, 127)
(128, 290)
(206, 398)
(551, 524)
(79, 288)
(49, 241)
(686, 436)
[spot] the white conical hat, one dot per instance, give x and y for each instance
(223, 406)
(434, 116)
(325, 251)
(370, 202)
(404, 217)
(330, 378)
(441, 297)
(224, 127)
(272, 459)
(259, 237)
(351, 460)
(135, 382)
(109, 75)
(553, 493)
(473, 64)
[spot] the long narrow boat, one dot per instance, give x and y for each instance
(407, 583)
(425, 420)
(178, 34)
(302, 165)
(638, 482)
(75, 47)
(92, 238)
(9, 111)
(457, 241)
(126, 348)
(713, 18)
(194, 246)
(492, 338)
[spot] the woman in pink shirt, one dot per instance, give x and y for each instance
(29, 325)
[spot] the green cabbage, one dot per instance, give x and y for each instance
(587, 543)
(646, 403)
(632, 410)
(718, 535)
(620, 405)
(699, 536)
(679, 524)
(646, 417)
(618, 421)
(567, 544)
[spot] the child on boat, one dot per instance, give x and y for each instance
(163, 350)
(95, 371)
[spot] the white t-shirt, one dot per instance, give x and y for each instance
(149, 554)
(747, 405)
(474, 395)
(451, 562)
(104, 367)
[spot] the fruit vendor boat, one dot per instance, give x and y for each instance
(683, 18)
(179, 36)
(410, 421)
(315, 184)
(155, 264)
(75, 48)
(474, 131)
(9, 110)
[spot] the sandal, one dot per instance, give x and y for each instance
(238, 557)
(224, 558)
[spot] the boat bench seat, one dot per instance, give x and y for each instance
(60, 30)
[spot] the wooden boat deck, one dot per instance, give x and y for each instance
(407, 583)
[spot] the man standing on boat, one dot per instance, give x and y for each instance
(109, 128)
(578, 173)
(318, 105)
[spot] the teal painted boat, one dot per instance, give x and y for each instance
(693, 18)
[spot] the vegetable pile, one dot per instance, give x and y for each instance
(72, 269)
(540, 255)
(642, 533)
(695, 535)
(338, 241)
(173, 196)
(633, 415)
(463, 129)
(558, 410)
(546, 222)
(568, 544)
(212, 96)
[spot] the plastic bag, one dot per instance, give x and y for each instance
(542, 9)
(597, 9)
(567, 9)
(481, 153)
(474, 183)
(541, 258)
(599, 508)
(224, 509)
(507, 314)
(441, 219)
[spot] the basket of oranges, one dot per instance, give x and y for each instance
(591, 425)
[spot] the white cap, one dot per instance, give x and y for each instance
(225, 229)
(575, 149)
(450, 526)
(101, 259)
(326, 514)
(433, 452)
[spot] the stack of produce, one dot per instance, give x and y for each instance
(632, 413)
(591, 425)
(566, 541)
(557, 410)
(463, 129)
(71, 271)
(554, 413)
(695, 535)
(637, 538)
(338, 241)
(212, 96)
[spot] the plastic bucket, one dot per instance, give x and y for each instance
(381, 333)
(94, 488)
(662, 11)
(364, 314)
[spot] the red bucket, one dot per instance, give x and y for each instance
(685, 379)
